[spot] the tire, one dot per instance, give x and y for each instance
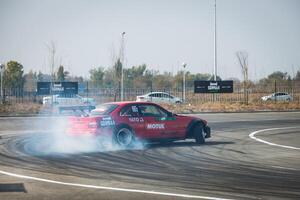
(124, 137)
(199, 134)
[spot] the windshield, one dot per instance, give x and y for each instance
(103, 109)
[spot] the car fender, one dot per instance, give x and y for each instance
(191, 125)
(123, 125)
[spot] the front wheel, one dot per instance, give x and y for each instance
(124, 137)
(199, 134)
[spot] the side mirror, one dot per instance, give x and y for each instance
(170, 114)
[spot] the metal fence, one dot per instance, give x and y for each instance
(101, 95)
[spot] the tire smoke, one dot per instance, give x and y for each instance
(53, 140)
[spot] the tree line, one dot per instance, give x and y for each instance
(139, 77)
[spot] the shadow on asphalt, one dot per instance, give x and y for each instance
(12, 187)
(184, 144)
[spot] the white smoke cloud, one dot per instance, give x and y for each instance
(53, 140)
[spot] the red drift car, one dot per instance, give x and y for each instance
(126, 121)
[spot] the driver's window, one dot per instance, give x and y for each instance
(152, 111)
(130, 111)
(162, 112)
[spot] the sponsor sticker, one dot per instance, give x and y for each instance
(136, 119)
(107, 123)
(106, 118)
(134, 109)
(155, 126)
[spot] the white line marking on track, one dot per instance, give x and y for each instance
(111, 188)
(251, 135)
(288, 168)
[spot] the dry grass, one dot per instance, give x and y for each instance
(34, 108)
(19, 108)
(232, 107)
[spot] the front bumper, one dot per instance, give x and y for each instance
(207, 131)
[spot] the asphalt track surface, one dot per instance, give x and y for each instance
(231, 165)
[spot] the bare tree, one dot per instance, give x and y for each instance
(52, 50)
(243, 61)
(115, 74)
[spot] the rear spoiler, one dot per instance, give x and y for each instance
(76, 108)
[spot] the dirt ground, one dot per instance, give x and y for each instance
(35, 108)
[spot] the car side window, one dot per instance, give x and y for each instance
(168, 96)
(171, 97)
(130, 111)
(152, 111)
(162, 112)
(157, 95)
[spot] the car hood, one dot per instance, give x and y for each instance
(87, 99)
(192, 118)
(266, 97)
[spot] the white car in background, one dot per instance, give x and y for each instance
(68, 100)
(278, 96)
(159, 97)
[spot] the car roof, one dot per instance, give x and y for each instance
(280, 92)
(123, 103)
(157, 93)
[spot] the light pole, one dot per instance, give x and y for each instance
(183, 97)
(215, 43)
(122, 70)
(1, 71)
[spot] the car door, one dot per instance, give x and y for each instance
(280, 97)
(169, 98)
(284, 97)
(165, 98)
(130, 115)
(276, 97)
(156, 97)
(158, 123)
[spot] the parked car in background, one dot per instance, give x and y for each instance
(62, 99)
(69, 102)
(158, 97)
(278, 96)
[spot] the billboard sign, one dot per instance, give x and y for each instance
(213, 86)
(44, 88)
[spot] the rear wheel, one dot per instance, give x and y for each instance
(124, 137)
(199, 134)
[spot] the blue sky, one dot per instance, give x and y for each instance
(160, 33)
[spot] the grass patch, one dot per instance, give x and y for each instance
(35, 108)
(232, 107)
(20, 108)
